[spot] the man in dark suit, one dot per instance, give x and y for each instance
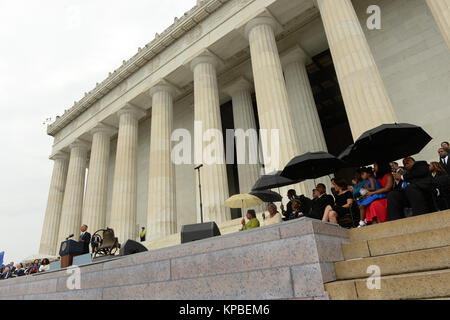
(305, 205)
(443, 159)
(85, 238)
(321, 202)
(415, 192)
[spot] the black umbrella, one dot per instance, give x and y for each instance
(345, 157)
(267, 196)
(312, 165)
(387, 142)
(273, 180)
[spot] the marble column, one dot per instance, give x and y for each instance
(52, 218)
(73, 196)
(244, 119)
(124, 195)
(94, 210)
(207, 112)
(274, 109)
(305, 115)
(161, 214)
(365, 97)
(441, 13)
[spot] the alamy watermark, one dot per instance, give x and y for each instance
(374, 281)
(208, 146)
(374, 20)
(74, 280)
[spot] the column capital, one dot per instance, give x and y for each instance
(131, 109)
(295, 54)
(237, 85)
(205, 56)
(164, 86)
(264, 18)
(104, 128)
(79, 144)
(60, 155)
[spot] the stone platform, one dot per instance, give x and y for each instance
(292, 260)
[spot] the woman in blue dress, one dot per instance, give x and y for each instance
(369, 184)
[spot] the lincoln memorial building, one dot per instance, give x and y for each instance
(321, 72)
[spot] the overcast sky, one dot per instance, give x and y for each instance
(51, 52)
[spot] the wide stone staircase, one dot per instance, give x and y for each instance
(413, 257)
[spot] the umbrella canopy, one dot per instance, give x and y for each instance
(242, 201)
(388, 142)
(267, 196)
(273, 180)
(311, 165)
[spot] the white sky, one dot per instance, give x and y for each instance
(51, 52)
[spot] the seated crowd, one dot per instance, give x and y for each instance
(383, 193)
(12, 271)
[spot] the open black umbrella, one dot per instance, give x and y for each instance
(345, 157)
(267, 196)
(273, 180)
(387, 142)
(311, 165)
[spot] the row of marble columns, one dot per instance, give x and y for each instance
(284, 100)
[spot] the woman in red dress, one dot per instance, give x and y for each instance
(377, 210)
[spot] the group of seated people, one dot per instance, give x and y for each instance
(22, 269)
(383, 193)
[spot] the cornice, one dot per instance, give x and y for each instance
(161, 41)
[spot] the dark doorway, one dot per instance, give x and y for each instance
(330, 106)
(226, 113)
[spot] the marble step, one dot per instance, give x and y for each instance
(399, 263)
(397, 244)
(416, 224)
(421, 285)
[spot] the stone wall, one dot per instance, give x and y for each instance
(291, 260)
(414, 63)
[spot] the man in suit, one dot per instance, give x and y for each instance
(446, 146)
(305, 205)
(320, 202)
(415, 192)
(85, 238)
(291, 194)
(443, 159)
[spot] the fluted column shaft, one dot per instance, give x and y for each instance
(162, 214)
(365, 97)
(73, 196)
(305, 115)
(124, 195)
(244, 119)
(207, 111)
(441, 12)
(274, 109)
(52, 218)
(94, 210)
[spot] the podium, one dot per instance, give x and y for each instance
(68, 250)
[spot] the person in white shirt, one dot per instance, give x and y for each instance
(274, 216)
(45, 265)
